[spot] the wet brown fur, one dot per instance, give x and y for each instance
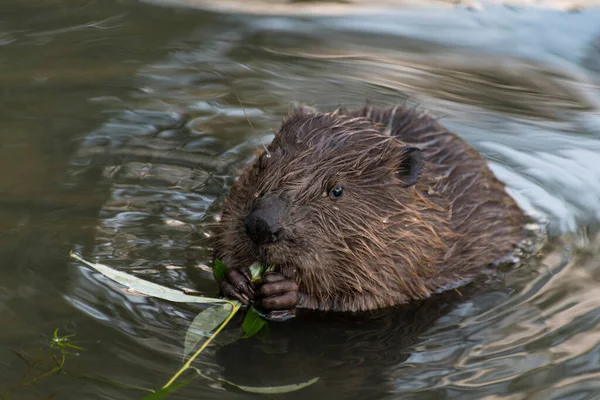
(381, 244)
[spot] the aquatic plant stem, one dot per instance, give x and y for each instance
(236, 306)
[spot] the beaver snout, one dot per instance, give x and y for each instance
(263, 224)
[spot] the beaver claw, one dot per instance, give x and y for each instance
(237, 285)
(274, 293)
(280, 315)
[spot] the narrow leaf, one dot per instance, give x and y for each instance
(145, 287)
(236, 306)
(219, 270)
(165, 391)
(253, 323)
(256, 270)
(204, 323)
(272, 389)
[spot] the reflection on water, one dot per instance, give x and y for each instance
(125, 123)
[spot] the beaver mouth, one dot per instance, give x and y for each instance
(265, 259)
(273, 254)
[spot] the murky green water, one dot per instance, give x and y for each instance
(114, 114)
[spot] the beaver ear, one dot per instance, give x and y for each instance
(410, 166)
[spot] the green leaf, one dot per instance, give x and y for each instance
(253, 322)
(219, 270)
(204, 323)
(256, 270)
(164, 392)
(145, 287)
(272, 389)
(188, 363)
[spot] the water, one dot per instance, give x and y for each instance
(122, 121)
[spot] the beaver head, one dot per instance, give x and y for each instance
(332, 201)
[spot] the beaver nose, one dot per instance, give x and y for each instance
(262, 224)
(261, 230)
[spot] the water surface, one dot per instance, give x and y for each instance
(123, 122)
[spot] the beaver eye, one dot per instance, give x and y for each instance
(336, 193)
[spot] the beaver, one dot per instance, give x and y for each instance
(360, 210)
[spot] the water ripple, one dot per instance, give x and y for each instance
(166, 154)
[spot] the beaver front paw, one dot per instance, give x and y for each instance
(237, 285)
(277, 295)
